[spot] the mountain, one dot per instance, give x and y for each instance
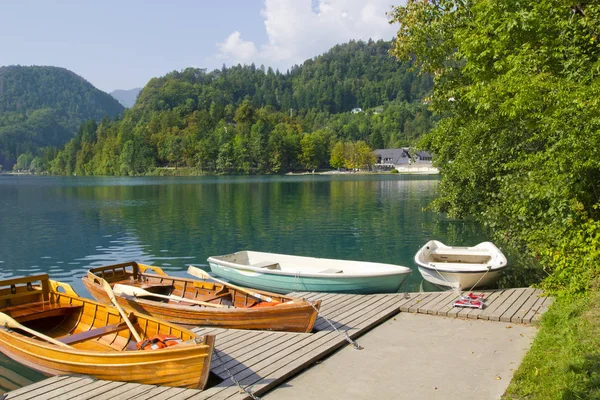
(43, 106)
(245, 119)
(126, 97)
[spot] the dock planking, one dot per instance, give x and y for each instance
(261, 360)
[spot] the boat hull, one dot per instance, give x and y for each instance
(300, 283)
(98, 342)
(295, 316)
(459, 280)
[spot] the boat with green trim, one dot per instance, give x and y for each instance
(283, 273)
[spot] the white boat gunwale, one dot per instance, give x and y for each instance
(393, 269)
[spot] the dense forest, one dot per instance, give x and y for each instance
(518, 145)
(245, 119)
(43, 107)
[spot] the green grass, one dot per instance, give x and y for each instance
(564, 361)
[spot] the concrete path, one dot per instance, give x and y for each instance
(416, 356)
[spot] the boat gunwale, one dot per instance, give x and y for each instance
(400, 269)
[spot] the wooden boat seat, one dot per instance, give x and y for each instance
(466, 266)
(93, 333)
(331, 271)
(38, 310)
(266, 265)
(149, 285)
(458, 252)
(211, 298)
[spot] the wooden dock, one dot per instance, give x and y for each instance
(261, 360)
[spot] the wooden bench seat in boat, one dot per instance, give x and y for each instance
(331, 271)
(38, 310)
(459, 266)
(266, 265)
(459, 252)
(93, 333)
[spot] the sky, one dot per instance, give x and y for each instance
(123, 44)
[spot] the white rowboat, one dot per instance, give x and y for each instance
(462, 268)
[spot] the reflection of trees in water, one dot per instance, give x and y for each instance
(175, 222)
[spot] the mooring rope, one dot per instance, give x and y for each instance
(296, 288)
(235, 381)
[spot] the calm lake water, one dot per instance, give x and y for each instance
(65, 225)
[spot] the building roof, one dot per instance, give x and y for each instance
(392, 156)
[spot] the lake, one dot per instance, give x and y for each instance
(65, 225)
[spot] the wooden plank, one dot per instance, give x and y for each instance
(547, 303)
(497, 313)
(493, 303)
(440, 301)
(231, 360)
(260, 354)
(92, 385)
(39, 389)
(98, 391)
(516, 306)
(518, 316)
(422, 306)
(413, 301)
(310, 352)
(125, 392)
(168, 394)
(528, 318)
(302, 346)
(53, 391)
(488, 299)
(151, 393)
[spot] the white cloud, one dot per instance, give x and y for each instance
(236, 49)
(301, 29)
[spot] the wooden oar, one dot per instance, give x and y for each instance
(134, 291)
(112, 297)
(11, 323)
(205, 275)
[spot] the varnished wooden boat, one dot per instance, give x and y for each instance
(91, 338)
(242, 311)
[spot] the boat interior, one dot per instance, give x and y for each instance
(55, 310)
(154, 280)
(450, 255)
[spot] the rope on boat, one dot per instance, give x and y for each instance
(344, 334)
(235, 381)
(457, 289)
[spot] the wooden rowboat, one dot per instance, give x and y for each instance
(49, 328)
(181, 300)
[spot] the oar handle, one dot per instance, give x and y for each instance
(115, 302)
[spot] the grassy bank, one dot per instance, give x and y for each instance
(564, 361)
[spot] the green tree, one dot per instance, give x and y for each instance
(337, 159)
(518, 143)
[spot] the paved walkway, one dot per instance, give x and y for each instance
(415, 356)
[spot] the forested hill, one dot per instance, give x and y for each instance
(246, 119)
(45, 106)
(356, 74)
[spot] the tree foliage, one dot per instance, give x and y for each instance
(517, 89)
(44, 106)
(248, 120)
